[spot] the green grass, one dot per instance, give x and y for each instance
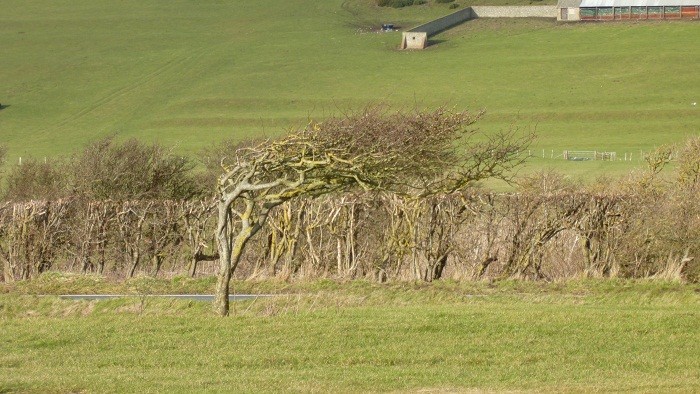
(357, 336)
(189, 73)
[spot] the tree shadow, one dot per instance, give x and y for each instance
(441, 40)
(435, 42)
(3, 106)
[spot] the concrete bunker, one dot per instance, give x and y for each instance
(414, 40)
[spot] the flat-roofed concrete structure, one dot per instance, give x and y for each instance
(610, 10)
(414, 40)
(568, 10)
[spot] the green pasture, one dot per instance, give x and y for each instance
(188, 73)
(360, 337)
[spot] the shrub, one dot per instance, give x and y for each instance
(133, 170)
(444, 1)
(398, 3)
(35, 180)
(689, 163)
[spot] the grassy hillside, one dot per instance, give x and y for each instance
(187, 73)
(444, 337)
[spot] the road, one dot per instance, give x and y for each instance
(192, 297)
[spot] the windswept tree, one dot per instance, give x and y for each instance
(413, 153)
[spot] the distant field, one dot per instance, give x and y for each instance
(607, 336)
(190, 73)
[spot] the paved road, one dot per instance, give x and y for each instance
(192, 297)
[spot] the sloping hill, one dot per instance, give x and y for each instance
(191, 73)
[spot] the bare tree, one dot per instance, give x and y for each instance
(196, 215)
(130, 224)
(164, 233)
(31, 236)
(418, 153)
(89, 226)
(263, 176)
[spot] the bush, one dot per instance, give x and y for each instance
(133, 170)
(107, 170)
(689, 163)
(35, 180)
(398, 3)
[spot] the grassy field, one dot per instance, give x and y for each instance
(324, 336)
(188, 74)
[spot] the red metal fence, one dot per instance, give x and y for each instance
(639, 12)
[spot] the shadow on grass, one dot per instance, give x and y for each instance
(438, 41)
(3, 106)
(435, 42)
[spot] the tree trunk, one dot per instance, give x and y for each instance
(227, 265)
(231, 247)
(102, 260)
(157, 263)
(230, 251)
(483, 266)
(86, 266)
(196, 258)
(7, 272)
(439, 267)
(135, 257)
(193, 267)
(220, 304)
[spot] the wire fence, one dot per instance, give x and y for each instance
(570, 155)
(594, 155)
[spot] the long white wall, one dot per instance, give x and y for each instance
(527, 11)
